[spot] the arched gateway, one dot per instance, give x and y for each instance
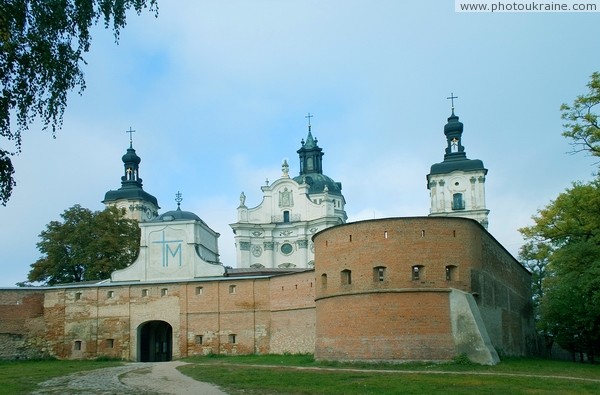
(155, 341)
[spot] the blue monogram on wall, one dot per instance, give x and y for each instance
(170, 251)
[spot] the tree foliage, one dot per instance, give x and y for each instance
(566, 238)
(86, 245)
(42, 43)
(582, 124)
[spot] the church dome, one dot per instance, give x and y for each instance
(453, 125)
(131, 157)
(178, 215)
(317, 183)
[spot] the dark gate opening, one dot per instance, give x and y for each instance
(155, 341)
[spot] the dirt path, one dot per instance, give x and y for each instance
(132, 378)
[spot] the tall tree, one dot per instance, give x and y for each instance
(86, 245)
(42, 43)
(582, 119)
(568, 229)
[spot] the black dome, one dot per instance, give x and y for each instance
(178, 215)
(317, 183)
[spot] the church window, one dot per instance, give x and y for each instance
(199, 290)
(323, 280)
(110, 294)
(351, 238)
(232, 289)
(423, 233)
(379, 274)
(77, 345)
(458, 202)
(286, 216)
(199, 339)
(417, 272)
(110, 343)
(346, 277)
(164, 292)
(145, 292)
(232, 339)
(385, 234)
(286, 249)
(77, 295)
(450, 273)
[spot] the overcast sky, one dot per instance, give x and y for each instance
(218, 91)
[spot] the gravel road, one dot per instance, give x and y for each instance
(131, 378)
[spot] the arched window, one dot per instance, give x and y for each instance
(346, 277)
(323, 280)
(286, 216)
(451, 273)
(378, 274)
(417, 272)
(458, 202)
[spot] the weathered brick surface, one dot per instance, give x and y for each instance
(478, 263)
(403, 325)
(21, 324)
(397, 318)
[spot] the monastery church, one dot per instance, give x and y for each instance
(306, 281)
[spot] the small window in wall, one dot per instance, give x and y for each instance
(346, 277)
(77, 345)
(286, 216)
(458, 202)
(199, 290)
(385, 234)
(110, 294)
(145, 293)
(110, 343)
(77, 295)
(379, 274)
(450, 273)
(164, 292)
(232, 289)
(199, 339)
(417, 272)
(232, 339)
(323, 280)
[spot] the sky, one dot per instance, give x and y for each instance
(217, 92)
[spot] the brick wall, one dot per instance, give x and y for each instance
(411, 264)
(21, 324)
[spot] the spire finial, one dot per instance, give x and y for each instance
(178, 199)
(309, 117)
(130, 131)
(451, 98)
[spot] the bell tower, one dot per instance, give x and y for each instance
(138, 204)
(457, 185)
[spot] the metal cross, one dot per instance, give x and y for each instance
(178, 198)
(130, 131)
(309, 117)
(452, 97)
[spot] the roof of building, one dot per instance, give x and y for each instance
(129, 191)
(318, 182)
(455, 157)
(178, 215)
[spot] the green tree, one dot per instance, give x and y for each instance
(42, 43)
(567, 236)
(86, 245)
(582, 122)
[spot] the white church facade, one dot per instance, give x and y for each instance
(277, 233)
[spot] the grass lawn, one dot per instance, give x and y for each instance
(300, 374)
(22, 377)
